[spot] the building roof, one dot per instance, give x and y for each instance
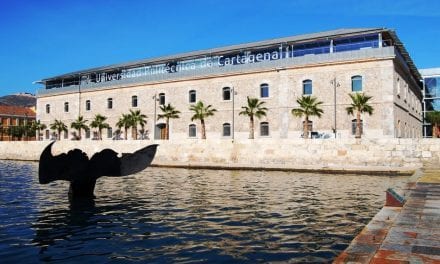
(246, 46)
(16, 111)
(430, 72)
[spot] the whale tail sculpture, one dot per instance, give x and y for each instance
(82, 173)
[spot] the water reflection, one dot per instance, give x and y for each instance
(177, 215)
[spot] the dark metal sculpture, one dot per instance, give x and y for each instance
(82, 173)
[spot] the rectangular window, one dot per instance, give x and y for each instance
(226, 130)
(66, 134)
(47, 134)
(264, 90)
(88, 133)
(353, 127)
(48, 109)
(264, 129)
(226, 94)
(134, 101)
(109, 132)
(88, 106)
(109, 103)
(192, 132)
(66, 107)
(192, 96)
(356, 83)
(161, 98)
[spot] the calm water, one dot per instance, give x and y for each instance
(178, 215)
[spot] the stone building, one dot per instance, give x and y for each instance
(11, 119)
(329, 65)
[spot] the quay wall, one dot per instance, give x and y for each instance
(350, 155)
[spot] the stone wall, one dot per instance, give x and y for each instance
(366, 155)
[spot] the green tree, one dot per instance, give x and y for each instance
(99, 123)
(137, 118)
(434, 119)
(308, 106)
(253, 109)
(168, 112)
(125, 122)
(201, 112)
(38, 126)
(59, 126)
(79, 124)
(359, 105)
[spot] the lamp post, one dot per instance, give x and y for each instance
(335, 84)
(233, 112)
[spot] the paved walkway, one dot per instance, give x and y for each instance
(402, 235)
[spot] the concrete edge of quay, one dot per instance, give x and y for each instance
(408, 234)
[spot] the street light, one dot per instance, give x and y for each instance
(335, 84)
(233, 111)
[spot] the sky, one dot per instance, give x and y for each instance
(45, 38)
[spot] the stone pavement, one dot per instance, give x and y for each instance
(402, 235)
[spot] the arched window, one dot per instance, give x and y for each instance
(307, 87)
(109, 103)
(356, 83)
(353, 127)
(48, 109)
(226, 94)
(134, 101)
(161, 98)
(88, 105)
(192, 131)
(264, 129)
(192, 96)
(264, 90)
(66, 107)
(226, 130)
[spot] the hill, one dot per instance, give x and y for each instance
(22, 99)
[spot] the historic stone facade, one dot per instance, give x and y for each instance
(383, 73)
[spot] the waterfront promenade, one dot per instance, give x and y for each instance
(410, 234)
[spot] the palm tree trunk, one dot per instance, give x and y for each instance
(167, 131)
(251, 127)
(99, 134)
(125, 133)
(306, 127)
(38, 135)
(59, 135)
(435, 130)
(202, 121)
(79, 133)
(358, 125)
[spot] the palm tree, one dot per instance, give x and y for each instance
(38, 126)
(99, 123)
(360, 105)
(125, 122)
(59, 126)
(201, 112)
(168, 112)
(79, 124)
(308, 106)
(254, 108)
(434, 119)
(137, 118)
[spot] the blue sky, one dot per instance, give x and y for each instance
(44, 38)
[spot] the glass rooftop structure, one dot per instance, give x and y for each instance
(271, 53)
